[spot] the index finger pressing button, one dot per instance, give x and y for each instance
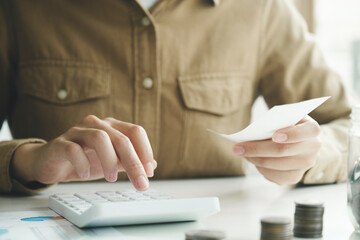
(142, 182)
(140, 142)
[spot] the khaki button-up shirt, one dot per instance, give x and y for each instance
(178, 69)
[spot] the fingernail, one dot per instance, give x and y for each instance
(85, 175)
(280, 137)
(239, 150)
(142, 182)
(154, 163)
(113, 177)
(149, 168)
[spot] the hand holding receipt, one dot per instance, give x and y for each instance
(283, 144)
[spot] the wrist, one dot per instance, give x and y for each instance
(23, 162)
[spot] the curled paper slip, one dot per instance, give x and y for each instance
(277, 117)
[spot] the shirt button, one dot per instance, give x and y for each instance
(62, 94)
(148, 83)
(145, 21)
(216, 2)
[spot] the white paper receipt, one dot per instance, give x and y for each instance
(277, 117)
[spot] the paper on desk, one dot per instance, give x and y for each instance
(277, 117)
(46, 224)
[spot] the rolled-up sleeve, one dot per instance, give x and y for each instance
(292, 69)
(7, 183)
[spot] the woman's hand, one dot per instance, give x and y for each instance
(288, 155)
(93, 149)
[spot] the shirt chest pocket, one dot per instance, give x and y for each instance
(216, 93)
(64, 83)
(218, 101)
(54, 95)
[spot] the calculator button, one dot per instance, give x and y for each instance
(126, 191)
(119, 199)
(110, 195)
(84, 203)
(131, 195)
(88, 196)
(142, 198)
(76, 201)
(83, 208)
(94, 201)
(105, 192)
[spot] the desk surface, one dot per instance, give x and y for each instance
(244, 201)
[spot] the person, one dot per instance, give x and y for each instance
(91, 89)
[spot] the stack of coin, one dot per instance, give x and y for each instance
(204, 235)
(276, 228)
(308, 219)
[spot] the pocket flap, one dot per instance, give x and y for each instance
(217, 93)
(64, 82)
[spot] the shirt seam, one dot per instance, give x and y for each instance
(211, 76)
(260, 41)
(62, 63)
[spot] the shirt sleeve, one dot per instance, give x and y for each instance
(7, 148)
(292, 69)
(7, 183)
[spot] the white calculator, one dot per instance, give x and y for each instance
(128, 207)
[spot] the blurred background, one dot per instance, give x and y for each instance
(336, 25)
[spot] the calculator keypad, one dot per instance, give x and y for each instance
(80, 202)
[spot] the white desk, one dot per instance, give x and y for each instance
(244, 201)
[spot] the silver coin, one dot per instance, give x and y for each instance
(205, 235)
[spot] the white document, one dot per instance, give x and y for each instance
(277, 117)
(46, 224)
